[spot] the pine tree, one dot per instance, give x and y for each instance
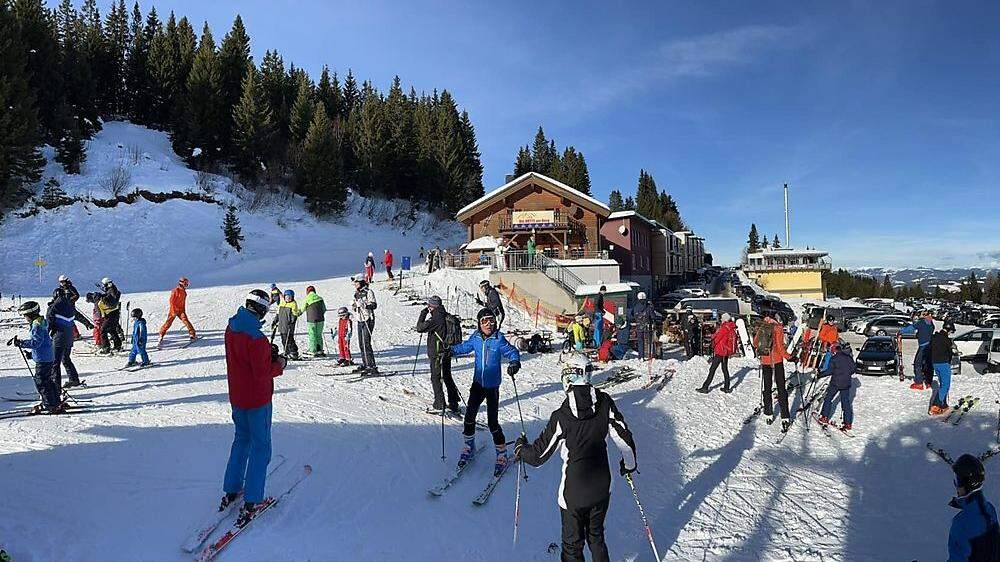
(991, 296)
(629, 203)
(302, 113)
(541, 157)
(523, 164)
(973, 291)
(20, 161)
(369, 142)
(117, 38)
(137, 79)
(70, 148)
(38, 42)
(252, 127)
(473, 188)
(647, 199)
(234, 62)
(203, 123)
(615, 201)
(753, 242)
(351, 94)
(450, 152)
(670, 216)
(231, 229)
(574, 170)
(887, 290)
(400, 140)
(272, 81)
(320, 173)
(776, 243)
(328, 94)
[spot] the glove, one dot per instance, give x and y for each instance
(513, 367)
(274, 353)
(521, 442)
(27, 354)
(624, 471)
(479, 301)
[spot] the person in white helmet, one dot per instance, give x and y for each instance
(369, 268)
(579, 431)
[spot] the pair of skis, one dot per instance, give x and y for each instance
(965, 404)
(203, 532)
(826, 426)
(484, 496)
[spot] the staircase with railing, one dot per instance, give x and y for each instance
(561, 274)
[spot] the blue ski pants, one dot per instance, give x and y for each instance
(250, 454)
(598, 329)
(139, 350)
(846, 405)
(943, 371)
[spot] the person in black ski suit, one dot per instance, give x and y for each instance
(644, 317)
(111, 329)
(975, 533)
(432, 323)
(579, 429)
(492, 302)
(60, 317)
(692, 330)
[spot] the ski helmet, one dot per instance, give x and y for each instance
(183, 282)
(289, 293)
(949, 326)
(63, 279)
(136, 313)
(371, 255)
(106, 281)
(29, 308)
(641, 296)
(342, 311)
(576, 371)
(485, 283)
(310, 289)
(274, 285)
(969, 473)
(258, 302)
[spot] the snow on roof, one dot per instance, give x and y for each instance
(612, 288)
(523, 177)
(585, 262)
(787, 252)
(482, 243)
(624, 214)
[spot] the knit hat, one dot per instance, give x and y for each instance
(726, 317)
(310, 289)
(434, 300)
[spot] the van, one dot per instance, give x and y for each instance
(735, 307)
(993, 362)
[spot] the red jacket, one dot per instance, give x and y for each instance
(724, 340)
(249, 368)
(387, 260)
(778, 354)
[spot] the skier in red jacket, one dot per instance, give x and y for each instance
(251, 365)
(387, 262)
(723, 346)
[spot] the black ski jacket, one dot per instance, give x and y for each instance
(492, 302)
(433, 325)
(941, 347)
(579, 429)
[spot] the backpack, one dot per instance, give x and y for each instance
(765, 338)
(452, 329)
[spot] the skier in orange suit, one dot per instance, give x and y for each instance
(178, 299)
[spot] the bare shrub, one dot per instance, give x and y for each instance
(259, 197)
(133, 154)
(205, 182)
(117, 181)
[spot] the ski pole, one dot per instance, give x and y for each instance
(442, 436)
(416, 355)
(517, 499)
(524, 433)
(642, 513)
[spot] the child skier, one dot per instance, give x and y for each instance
(975, 533)
(342, 335)
(139, 335)
(489, 345)
(841, 371)
(275, 294)
(98, 319)
(315, 311)
(40, 346)
(577, 332)
(288, 313)
(579, 430)
(369, 268)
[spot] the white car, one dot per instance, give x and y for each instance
(975, 345)
(993, 363)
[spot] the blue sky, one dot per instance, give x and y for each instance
(881, 116)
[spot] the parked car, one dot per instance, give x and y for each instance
(838, 315)
(993, 363)
(877, 356)
(762, 304)
(886, 326)
(735, 307)
(861, 324)
(990, 321)
(975, 345)
(858, 324)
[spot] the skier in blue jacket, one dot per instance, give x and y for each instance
(139, 335)
(41, 352)
(489, 345)
(61, 316)
(975, 534)
(841, 371)
(923, 327)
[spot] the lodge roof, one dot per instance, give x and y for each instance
(518, 182)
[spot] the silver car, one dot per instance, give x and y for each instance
(887, 326)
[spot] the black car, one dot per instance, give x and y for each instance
(782, 312)
(877, 356)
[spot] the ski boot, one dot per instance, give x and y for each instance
(373, 372)
(146, 364)
(228, 500)
(468, 451)
(917, 386)
(846, 428)
(71, 384)
(702, 389)
(246, 513)
(824, 421)
(770, 419)
(130, 364)
(727, 390)
(319, 354)
(434, 410)
(502, 461)
(785, 424)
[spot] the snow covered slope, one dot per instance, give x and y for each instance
(126, 481)
(147, 246)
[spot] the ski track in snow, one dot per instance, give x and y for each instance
(127, 481)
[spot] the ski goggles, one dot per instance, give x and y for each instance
(488, 320)
(266, 303)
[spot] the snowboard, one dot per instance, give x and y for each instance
(746, 345)
(796, 338)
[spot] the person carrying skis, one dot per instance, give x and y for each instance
(941, 356)
(769, 341)
(40, 351)
(110, 303)
(723, 347)
(975, 533)
(432, 321)
(364, 306)
(343, 336)
(923, 327)
(492, 301)
(275, 294)
(178, 304)
(288, 313)
(60, 317)
(315, 311)
(489, 346)
(840, 369)
(139, 335)
(251, 365)
(387, 262)
(644, 317)
(369, 268)
(579, 431)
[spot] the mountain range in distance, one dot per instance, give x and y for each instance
(925, 276)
